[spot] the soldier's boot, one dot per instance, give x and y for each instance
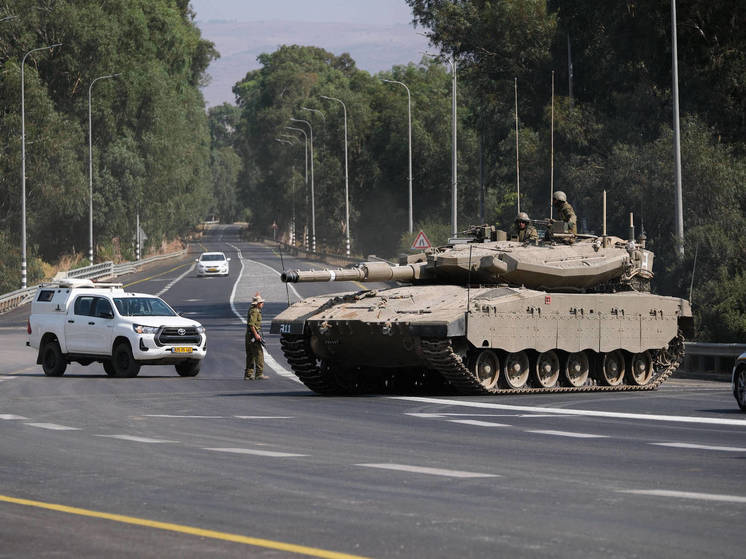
(248, 375)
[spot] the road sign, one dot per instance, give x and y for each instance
(421, 242)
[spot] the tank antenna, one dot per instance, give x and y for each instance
(551, 171)
(468, 283)
(603, 231)
(631, 227)
(517, 166)
(694, 269)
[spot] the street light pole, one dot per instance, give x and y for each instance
(409, 112)
(23, 164)
(305, 238)
(292, 221)
(313, 202)
(90, 169)
(677, 135)
(347, 186)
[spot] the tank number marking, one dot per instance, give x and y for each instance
(547, 299)
(285, 328)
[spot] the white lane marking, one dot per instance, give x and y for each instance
(424, 470)
(441, 415)
(569, 434)
(3, 379)
(10, 416)
(268, 359)
(168, 416)
(701, 447)
(478, 423)
(686, 495)
(173, 282)
(193, 300)
(565, 411)
(136, 439)
(53, 426)
(264, 417)
(253, 452)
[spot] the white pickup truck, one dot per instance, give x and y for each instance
(78, 320)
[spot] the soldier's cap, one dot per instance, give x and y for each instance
(256, 299)
(523, 216)
(560, 196)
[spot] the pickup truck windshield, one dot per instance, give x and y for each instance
(142, 306)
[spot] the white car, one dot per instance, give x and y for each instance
(77, 320)
(212, 264)
(739, 381)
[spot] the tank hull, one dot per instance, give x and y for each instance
(483, 340)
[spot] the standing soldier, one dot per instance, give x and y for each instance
(523, 230)
(254, 351)
(565, 211)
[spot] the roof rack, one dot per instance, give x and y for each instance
(75, 283)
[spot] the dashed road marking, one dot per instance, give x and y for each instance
(135, 439)
(701, 447)
(264, 417)
(565, 411)
(251, 451)
(11, 417)
(428, 471)
(568, 434)
(685, 495)
(169, 416)
(53, 426)
(478, 423)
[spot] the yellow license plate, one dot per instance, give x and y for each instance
(182, 350)
(212, 269)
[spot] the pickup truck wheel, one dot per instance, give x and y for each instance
(124, 363)
(52, 362)
(109, 368)
(188, 368)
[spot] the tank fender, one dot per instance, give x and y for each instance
(439, 329)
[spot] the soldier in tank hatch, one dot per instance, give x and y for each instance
(565, 211)
(254, 341)
(523, 230)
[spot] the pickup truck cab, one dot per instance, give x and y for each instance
(78, 320)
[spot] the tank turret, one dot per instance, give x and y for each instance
(576, 264)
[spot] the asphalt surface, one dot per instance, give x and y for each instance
(161, 465)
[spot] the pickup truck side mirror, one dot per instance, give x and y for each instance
(228, 259)
(107, 314)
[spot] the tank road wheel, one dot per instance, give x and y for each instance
(547, 370)
(486, 368)
(612, 368)
(641, 368)
(515, 370)
(576, 369)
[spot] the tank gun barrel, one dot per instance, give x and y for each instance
(368, 271)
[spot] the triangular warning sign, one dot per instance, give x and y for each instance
(421, 242)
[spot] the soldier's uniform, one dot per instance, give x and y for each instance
(254, 350)
(526, 233)
(565, 212)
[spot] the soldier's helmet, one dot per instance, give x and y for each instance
(523, 216)
(560, 196)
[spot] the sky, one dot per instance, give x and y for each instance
(322, 11)
(378, 34)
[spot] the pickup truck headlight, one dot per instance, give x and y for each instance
(201, 329)
(144, 329)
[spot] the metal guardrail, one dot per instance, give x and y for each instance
(703, 357)
(107, 269)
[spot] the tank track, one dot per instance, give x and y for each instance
(441, 357)
(303, 362)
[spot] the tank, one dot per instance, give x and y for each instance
(487, 315)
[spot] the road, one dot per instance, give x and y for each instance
(214, 465)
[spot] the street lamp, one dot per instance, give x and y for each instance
(305, 239)
(292, 225)
(315, 111)
(313, 204)
(23, 164)
(90, 169)
(347, 188)
(409, 112)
